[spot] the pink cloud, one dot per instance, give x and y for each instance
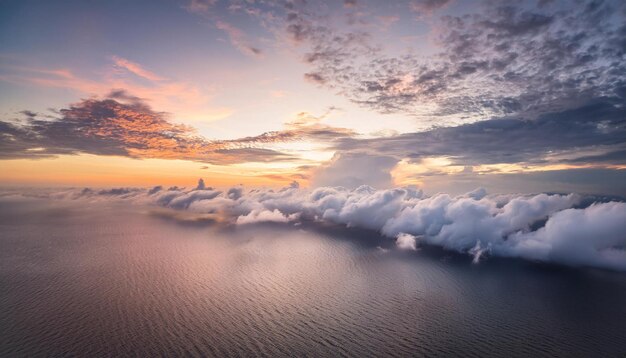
(238, 39)
(183, 99)
(136, 69)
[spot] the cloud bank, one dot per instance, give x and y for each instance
(565, 229)
(124, 125)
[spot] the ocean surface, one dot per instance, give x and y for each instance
(113, 280)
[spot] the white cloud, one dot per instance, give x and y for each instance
(256, 216)
(406, 242)
(352, 170)
(550, 228)
(595, 236)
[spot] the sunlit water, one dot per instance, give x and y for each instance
(112, 280)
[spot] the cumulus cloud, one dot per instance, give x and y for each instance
(594, 236)
(265, 216)
(565, 229)
(406, 242)
(352, 170)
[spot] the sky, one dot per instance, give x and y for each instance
(445, 95)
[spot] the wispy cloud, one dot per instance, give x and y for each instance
(236, 36)
(136, 69)
(185, 100)
(238, 39)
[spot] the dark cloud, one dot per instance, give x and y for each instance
(584, 180)
(552, 138)
(117, 191)
(29, 114)
(315, 78)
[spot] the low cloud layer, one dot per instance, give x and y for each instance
(564, 229)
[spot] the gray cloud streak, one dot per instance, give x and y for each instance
(508, 140)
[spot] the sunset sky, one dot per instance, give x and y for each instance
(446, 95)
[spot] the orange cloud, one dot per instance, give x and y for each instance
(124, 125)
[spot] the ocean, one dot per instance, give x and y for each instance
(109, 279)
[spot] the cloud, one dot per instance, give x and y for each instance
(583, 180)
(265, 216)
(183, 200)
(136, 69)
(493, 59)
(406, 242)
(238, 39)
(580, 149)
(349, 3)
(352, 170)
(315, 78)
(124, 125)
(180, 97)
(593, 236)
(597, 126)
(427, 6)
(114, 127)
(572, 145)
(564, 229)
(200, 6)
(305, 127)
(236, 36)
(201, 185)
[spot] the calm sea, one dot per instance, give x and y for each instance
(112, 280)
